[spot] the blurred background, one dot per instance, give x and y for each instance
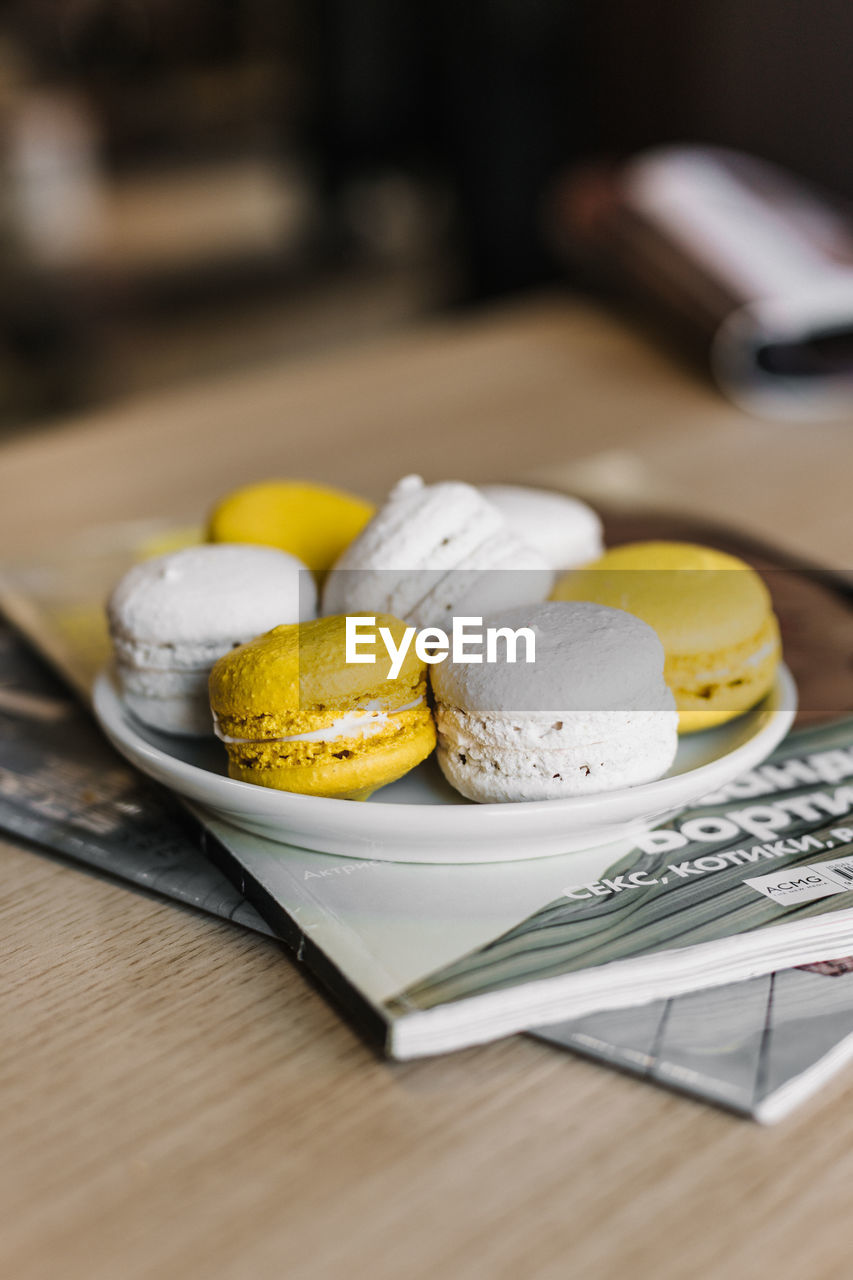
(199, 186)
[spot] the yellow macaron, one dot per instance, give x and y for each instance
(294, 715)
(712, 612)
(311, 521)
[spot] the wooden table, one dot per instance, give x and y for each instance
(178, 1099)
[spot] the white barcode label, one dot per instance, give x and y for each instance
(840, 870)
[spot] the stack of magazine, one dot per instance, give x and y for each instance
(711, 957)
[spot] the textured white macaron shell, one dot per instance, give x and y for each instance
(591, 714)
(565, 531)
(433, 551)
(172, 617)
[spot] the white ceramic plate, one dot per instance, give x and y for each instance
(421, 818)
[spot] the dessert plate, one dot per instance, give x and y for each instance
(421, 818)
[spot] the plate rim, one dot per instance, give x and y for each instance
(662, 793)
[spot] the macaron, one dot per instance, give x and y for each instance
(433, 551)
(170, 618)
(564, 530)
(592, 713)
(311, 521)
(713, 614)
(295, 716)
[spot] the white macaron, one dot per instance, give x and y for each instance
(433, 551)
(565, 530)
(590, 714)
(171, 618)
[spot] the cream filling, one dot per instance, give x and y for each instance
(360, 723)
(725, 673)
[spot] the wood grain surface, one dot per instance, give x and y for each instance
(178, 1101)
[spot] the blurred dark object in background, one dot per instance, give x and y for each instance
(769, 77)
(173, 204)
(486, 97)
(748, 267)
(194, 186)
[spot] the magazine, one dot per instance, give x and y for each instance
(757, 1047)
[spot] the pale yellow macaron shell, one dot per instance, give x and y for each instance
(712, 612)
(311, 521)
(294, 680)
